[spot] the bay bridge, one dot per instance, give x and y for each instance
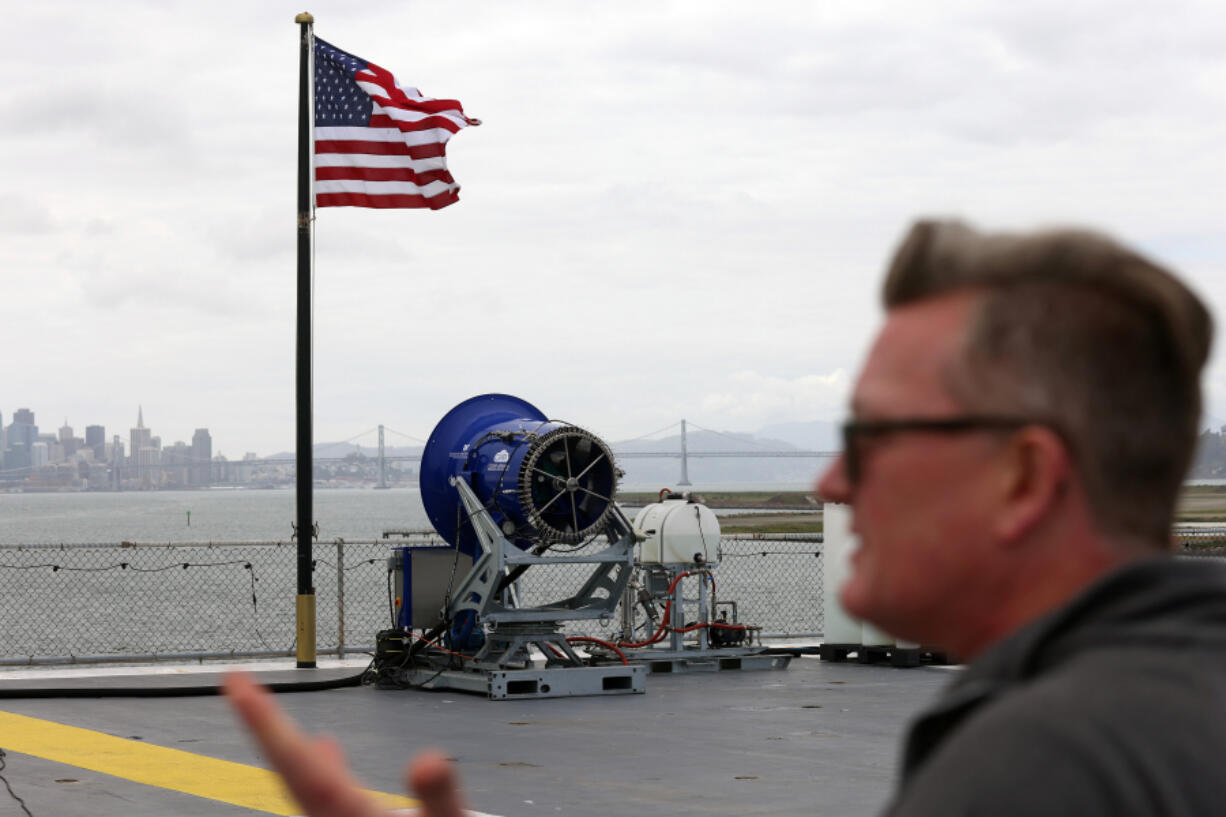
(747, 448)
(756, 450)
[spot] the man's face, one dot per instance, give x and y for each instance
(921, 504)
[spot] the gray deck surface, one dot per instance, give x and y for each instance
(816, 739)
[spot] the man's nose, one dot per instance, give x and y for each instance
(833, 485)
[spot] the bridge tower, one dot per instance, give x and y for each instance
(382, 462)
(685, 463)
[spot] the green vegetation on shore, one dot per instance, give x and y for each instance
(771, 523)
(764, 500)
(798, 511)
(1203, 489)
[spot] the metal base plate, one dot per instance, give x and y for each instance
(706, 660)
(546, 682)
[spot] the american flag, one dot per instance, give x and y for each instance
(378, 144)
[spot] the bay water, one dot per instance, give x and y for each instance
(202, 516)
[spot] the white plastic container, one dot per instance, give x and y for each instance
(871, 636)
(837, 546)
(678, 532)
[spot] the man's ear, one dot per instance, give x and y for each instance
(1035, 469)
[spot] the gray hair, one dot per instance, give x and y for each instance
(1086, 335)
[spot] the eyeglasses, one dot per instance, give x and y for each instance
(854, 431)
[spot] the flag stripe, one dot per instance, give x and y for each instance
(386, 132)
(385, 202)
(382, 174)
(408, 123)
(374, 160)
(378, 143)
(428, 190)
(406, 97)
(409, 116)
(379, 148)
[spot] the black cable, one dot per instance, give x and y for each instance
(422, 685)
(455, 564)
(122, 566)
(255, 609)
(795, 652)
(391, 608)
(13, 794)
(431, 635)
(580, 546)
(361, 562)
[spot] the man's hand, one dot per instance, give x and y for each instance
(314, 768)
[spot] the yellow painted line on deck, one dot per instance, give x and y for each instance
(224, 780)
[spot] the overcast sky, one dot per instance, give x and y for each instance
(673, 209)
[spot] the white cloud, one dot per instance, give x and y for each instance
(672, 209)
(748, 399)
(24, 215)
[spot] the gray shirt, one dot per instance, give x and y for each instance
(1114, 705)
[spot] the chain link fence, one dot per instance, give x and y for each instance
(140, 602)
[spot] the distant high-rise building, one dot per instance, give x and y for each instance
(117, 463)
(68, 444)
(177, 465)
(140, 438)
(95, 438)
(148, 460)
(202, 457)
(55, 449)
(16, 456)
(71, 446)
(22, 431)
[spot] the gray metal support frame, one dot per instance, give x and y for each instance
(598, 597)
(505, 666)
(535, 682)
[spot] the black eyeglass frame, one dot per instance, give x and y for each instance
(853, 430)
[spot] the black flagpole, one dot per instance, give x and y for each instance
(304, 465)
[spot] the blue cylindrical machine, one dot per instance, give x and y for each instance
(541, 481)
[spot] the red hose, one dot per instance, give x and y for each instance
(440, 647)
(656, 636)
(708, 624)
(663, 628)
(602, 643)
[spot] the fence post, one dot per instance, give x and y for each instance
(340, 598)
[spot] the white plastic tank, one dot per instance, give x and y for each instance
(838, 542)
(871, 636)
(677, 531)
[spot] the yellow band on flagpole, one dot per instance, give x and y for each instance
(306, 631)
